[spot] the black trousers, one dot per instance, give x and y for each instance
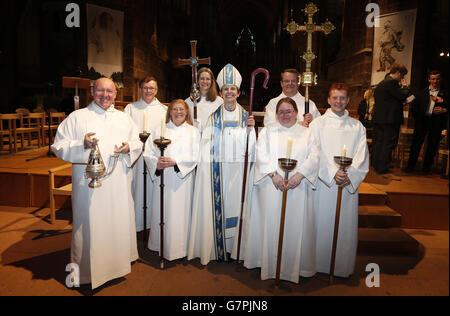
(386, 139)
(425, 125)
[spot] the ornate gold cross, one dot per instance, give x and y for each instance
(308, 78)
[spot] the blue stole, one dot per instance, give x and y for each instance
(221, 223)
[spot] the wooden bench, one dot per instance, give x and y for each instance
(64, 190)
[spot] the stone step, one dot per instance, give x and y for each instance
(378, 216)
(369, 195)
(386, 241)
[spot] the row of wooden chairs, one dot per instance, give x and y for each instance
(21, 125)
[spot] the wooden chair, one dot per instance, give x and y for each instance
(31, 123)
(65, 190)
(8, 123)
(54, 119)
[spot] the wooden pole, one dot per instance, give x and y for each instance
(161, 219)
(244, 180)
(281, 236)
(336, 233)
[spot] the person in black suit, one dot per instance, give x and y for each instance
(390, 94)
(430, 116)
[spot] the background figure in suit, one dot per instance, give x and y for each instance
(430, 116)
(390, 94)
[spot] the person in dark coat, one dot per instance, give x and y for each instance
(390, 95)
(430, 112)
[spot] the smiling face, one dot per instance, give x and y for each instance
(338, 101)
(104, 93)
(286, 114)
(204, 82)
(178, 113)
(229, 94)
(289, 83)
(149, 90)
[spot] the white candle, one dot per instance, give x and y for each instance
(289, 148)
(145, 122)
(344, 151)
(163, 128)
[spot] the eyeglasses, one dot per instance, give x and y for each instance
(285, 112)
(149, 88)
(290, 81)
(102, 91)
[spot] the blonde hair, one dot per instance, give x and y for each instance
(188, 118)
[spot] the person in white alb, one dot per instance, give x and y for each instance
(147, 114)
(339, 135)
(219, 179)
(104, 228)
(286, 139)
(289, 85)
(179, 162)
(210, 100)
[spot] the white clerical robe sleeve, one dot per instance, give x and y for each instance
(360, 165)
(68, 145)
(134, 143)
(270, 115)
(310, 167)
(151, 155)
(265, 163)
(328, 167)
(190, 154)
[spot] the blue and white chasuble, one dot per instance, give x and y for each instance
(218, 188)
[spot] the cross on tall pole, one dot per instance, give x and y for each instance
(308, 78)
(194, 61)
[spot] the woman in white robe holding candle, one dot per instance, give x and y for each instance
(146, 113)
(179, 161)
(284, 139)
(339, 134)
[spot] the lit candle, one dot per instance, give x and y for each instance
(163, 128)
(145, 122)
(289, 148)
(344, 151)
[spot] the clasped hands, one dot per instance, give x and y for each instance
(342, 178)
(165, 162)
(293, 182)
(89, 144)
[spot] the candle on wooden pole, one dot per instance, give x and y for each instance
(145, 122)
(344, 151)
(289, 148)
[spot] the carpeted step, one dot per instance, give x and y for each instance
(378, 216)
(386, 241)
(369, 195)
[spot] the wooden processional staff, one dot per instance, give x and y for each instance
(308, 78)
(344, 163)
(244, 180)
(194, 61)
(287, 165)
(162, 144)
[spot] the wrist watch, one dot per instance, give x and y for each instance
(271, 175)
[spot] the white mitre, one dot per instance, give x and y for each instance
(229, 76)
